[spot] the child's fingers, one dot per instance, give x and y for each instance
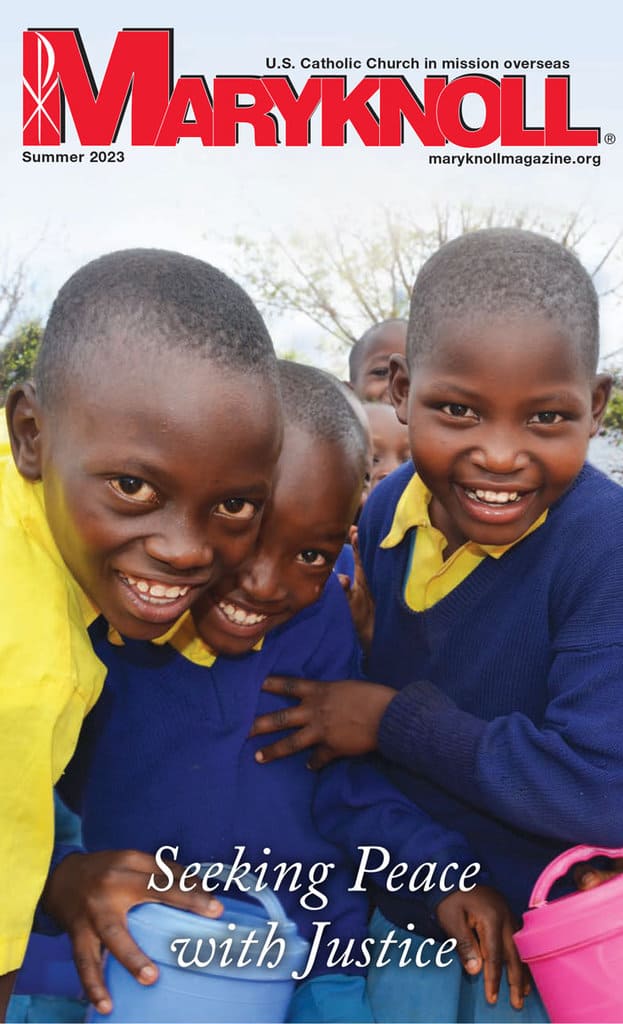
(587, 876)
(468, 951)
(321, 756)
(88, 959)
(453, 920)
(345, 582)
(112, 931)
(294, 742)
(516, 972)
(493, 954)
(288, 686)
(275, 721)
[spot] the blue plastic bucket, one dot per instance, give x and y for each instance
(207, 972)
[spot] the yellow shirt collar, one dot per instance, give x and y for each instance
(412, 510)
(184, 637)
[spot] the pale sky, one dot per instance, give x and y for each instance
(195, 199)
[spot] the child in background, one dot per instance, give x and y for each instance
(117, 500)
(390, 441)
(496, 573)
(368, 360)
(388, 449)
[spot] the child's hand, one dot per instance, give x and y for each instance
(89, 895)
(483, 924)
(587, 876)
(341, 718)
(359, 597)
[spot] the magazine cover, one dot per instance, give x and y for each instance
(196, 182)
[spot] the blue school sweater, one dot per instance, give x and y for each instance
(164, 759)
(509, 721)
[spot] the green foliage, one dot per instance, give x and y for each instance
(17, 358)
(613, 420)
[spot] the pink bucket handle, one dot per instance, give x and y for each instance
(561, 864)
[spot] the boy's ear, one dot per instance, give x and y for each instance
(602, 387)
(24, 417)
(399, 386)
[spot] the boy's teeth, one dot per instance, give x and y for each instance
(238, 615)
(493, 497)
(158, 591)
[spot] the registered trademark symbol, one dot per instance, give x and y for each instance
(609, 138)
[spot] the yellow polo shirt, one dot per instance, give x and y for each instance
(49, 679)
(429, 578)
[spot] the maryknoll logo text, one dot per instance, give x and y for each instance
(58, 78)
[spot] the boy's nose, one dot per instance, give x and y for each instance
(262, 582)
(183, 547)
(500, 453)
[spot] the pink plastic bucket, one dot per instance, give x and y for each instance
(574, 945)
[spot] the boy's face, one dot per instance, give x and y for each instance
(316, 492)
(155, 478)
(499, 416)
(371, 383)
(390, 441)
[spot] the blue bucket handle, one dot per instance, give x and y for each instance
(268, 899)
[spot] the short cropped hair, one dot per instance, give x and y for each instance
(505, 270)
(314, 400)
(153, 300)
(357, 352)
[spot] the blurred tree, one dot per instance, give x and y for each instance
(17, 358)
(13, 283)
(348, 279)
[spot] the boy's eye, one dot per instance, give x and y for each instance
(135, 488)
(380, 371)
(237, 508)
(546, 418)
(312, 557)
(459, 411)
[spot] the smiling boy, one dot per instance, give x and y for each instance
(143, 455)
(496, 572)
(177, 767)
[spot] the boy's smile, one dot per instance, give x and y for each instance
(315, 495)
(500, 413)
(155, 478)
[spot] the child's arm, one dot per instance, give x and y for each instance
(339, 717)
(574, 753)
(358, 809)
(561, 777)
(90, 894)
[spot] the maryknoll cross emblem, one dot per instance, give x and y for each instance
(42, 102)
